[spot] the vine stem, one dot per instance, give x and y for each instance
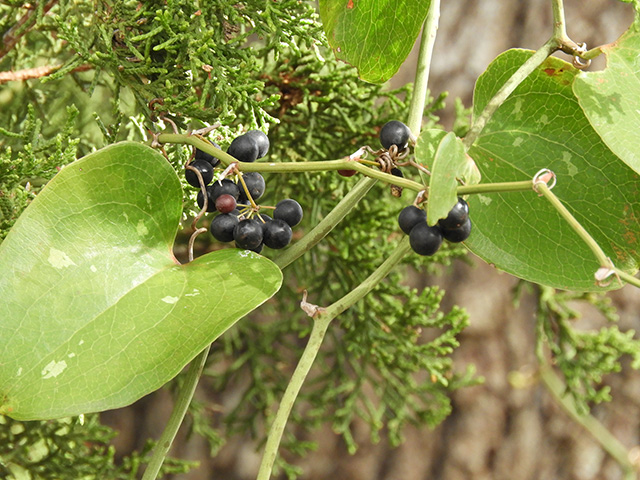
(328, 223)
(324, 316)
(507, 89)
(423, 68)
(187, 389)
(600, 433)
(321, 322)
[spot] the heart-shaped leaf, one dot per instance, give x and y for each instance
(611, 98)
(96, 311)
(373, 35)
(541, 125)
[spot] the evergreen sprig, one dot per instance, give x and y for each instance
(584, 357)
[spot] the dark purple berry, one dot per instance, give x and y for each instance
(456, 217)
(205, 169)
(222, 227)
(224, 186)
(288, 210)
(394, 133)
(248, 234)
(409, 217)
(200, 155)
(244, 149)
(425, 240)
(459, 234)
(255, 185)
(276, 234)
(347, 173)
(225, 203)
(261, 139)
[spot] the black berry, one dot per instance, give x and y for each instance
(200, 155)
(425, 240)
(261, 139)
(222, 227)
(255, 184)
(459, 234)
(248, 234)
(205, 169)
(394, 133)
(224, 186)
(276, 233)
(225, 203)
(409, 217)
(456, 217)
(347, 173)
(244, 148)
(288, 210)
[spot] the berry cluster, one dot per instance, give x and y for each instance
(237, 216)
(426, 240)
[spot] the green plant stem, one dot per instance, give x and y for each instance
(321, 321)
(507, 89)
(187, 389)
(575, 225)
(328, 223)
(423, 68)
(607, 441)
(289, 167)
(522, 186)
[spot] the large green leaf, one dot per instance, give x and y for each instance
(611, 98)
(373, 35)
(541, 125)
(96, 311)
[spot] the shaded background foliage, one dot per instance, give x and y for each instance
(260, 64)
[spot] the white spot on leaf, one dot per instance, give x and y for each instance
(170, 300)
(193, 294)
(571, 168)
(484, 199)
(19, 372)
(517, 141)
(71, 355)
(80, 342)
(53, 369)
(59, 259)
(93, 268)
(142, 229)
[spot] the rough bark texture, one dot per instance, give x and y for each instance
(496, 431)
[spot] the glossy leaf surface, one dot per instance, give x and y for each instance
(96, 311)
(375, 36)
(541, 125)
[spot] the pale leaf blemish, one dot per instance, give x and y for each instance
(142, 229)
(19, 372)
(71, 355)
(543, 119)
(53, 369)
(93, 268)
(571, 168)
(517, 109)
(80, 342)
(59, 259)
(126, 217)
(170, 300)
(484, 199)
(195, 293)
(518, 141)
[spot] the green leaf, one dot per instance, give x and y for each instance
(451, 167)
(611, 98)
(541, 125)
(96, 311)
(375, 36)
